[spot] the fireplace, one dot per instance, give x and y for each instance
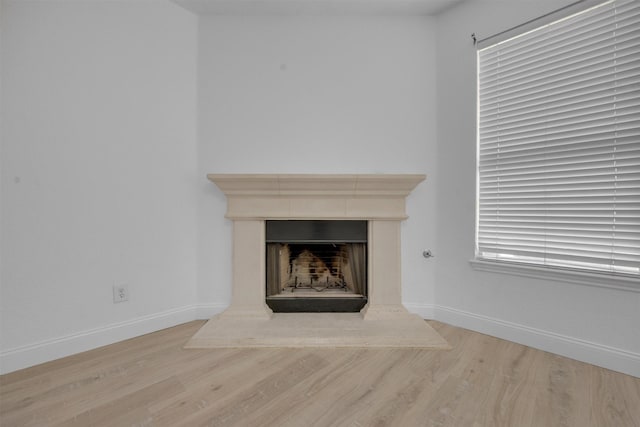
(316, 265)
(357, 217)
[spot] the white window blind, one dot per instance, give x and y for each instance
(559, 143)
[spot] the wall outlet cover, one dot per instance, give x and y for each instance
(120, 293)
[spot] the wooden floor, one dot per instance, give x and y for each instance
(483, 381)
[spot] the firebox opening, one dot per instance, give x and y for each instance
(316, 266)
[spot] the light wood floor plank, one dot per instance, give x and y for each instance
(482, 382)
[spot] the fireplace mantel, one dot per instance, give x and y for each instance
(317, 196)
(253, 199)
(316, 184)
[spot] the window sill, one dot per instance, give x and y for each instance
(602, 280)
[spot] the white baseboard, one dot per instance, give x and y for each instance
(596, 354)
(426, 311)
(207, 311)
(45, 351)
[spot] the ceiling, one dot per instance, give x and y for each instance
(317, 7)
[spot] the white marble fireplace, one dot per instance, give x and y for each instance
(253, 199)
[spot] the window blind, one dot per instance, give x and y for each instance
(559, 143)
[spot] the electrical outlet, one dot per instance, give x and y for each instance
(120, 293)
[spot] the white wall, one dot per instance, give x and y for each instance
(594, 324)
(304, 94)
(98, 173)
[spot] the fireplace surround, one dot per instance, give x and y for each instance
(253, 199)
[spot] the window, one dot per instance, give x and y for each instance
(559, 144)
